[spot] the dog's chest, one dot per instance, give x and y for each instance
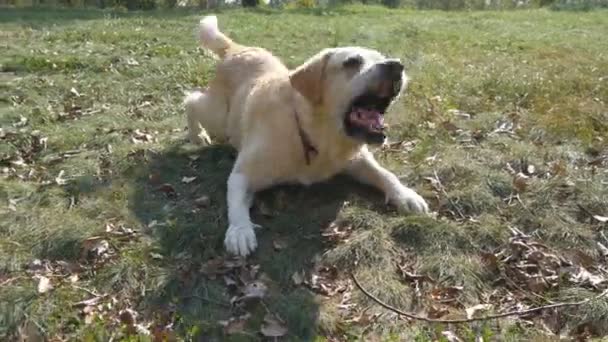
(325, 164)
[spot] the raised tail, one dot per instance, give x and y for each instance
(211, 38)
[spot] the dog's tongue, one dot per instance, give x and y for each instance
(369, 118)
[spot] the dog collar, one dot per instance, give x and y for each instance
(309, 150)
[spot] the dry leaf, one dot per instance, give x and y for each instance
(254, 290)
(154, 178)
(167, 189)
(59, 179)
(188, 180)
(298, 278)
(479, 307)
(44, 285)
(602, 219)
(203, 201)
(272, 327)
(584, 277)
(446, 294)
(279, 244)
(74, 92)
(156, 256)
(235, 324)
(520, 182)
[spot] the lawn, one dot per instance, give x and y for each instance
(111, 224)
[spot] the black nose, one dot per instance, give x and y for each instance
(394, 68)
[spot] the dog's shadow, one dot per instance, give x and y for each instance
(186, 218)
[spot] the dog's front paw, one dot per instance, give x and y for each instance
(240, 239)
(407, 200)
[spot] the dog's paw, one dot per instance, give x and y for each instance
(407, 200)
(240, 239)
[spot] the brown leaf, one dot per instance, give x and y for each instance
(44, 284)
(154, 178)
(127, 317)
(520, 182)
(167, 189)
(272, 327)
(94, 247)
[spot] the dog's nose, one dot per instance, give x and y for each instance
(394, 68)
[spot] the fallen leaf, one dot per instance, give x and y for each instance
(272, 327)
(479, 307)
(154, 178)
(167, 189)
(235, 324)
(59, 179)
(602, 219)
(279, 244)
(520, 182)
(254, 290)
(188, 180)
(74, 92)
(298, 278)
(584, 277)
(44, 285)
(127, 317)
(94, 247)
(203, 201)
(156, 256)
(446, 294)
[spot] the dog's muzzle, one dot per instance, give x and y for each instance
(364, 119)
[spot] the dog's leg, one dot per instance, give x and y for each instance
(240, 236)
(366, 169)
(205, 111)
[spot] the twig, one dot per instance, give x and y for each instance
(91, 292)
(474, 319)
(10, 280)
(445, 193)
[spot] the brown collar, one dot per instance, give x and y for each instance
(309, 150)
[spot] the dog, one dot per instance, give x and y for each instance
(295, 126)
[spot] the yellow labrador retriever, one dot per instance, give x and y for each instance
(300, 126)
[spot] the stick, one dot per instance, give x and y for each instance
(474, 319)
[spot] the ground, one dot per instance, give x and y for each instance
(112, 224)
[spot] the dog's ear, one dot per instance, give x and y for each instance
(308, 78)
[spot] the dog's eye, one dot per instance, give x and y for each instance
(353, 62)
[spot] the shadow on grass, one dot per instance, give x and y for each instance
(188, 236)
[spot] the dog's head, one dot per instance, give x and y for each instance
(355, 86)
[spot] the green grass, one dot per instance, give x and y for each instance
(548, 71)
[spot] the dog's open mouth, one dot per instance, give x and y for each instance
(365, 117)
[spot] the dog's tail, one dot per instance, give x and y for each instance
(212, 38)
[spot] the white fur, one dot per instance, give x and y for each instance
(240, 236)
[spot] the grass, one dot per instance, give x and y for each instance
(92, 84)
